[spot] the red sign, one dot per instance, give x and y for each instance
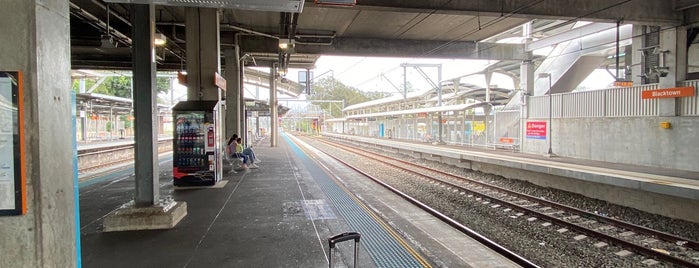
(507, 140)
(182, 78)
(623, 83)
(210, 137)
(421, 115)
(674, 92)
(219, 81)
(536, 130)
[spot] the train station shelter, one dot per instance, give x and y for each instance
(213, 42)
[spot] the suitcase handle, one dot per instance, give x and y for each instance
(344, 237)
(341, 238)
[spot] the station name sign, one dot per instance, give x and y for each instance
(674, 92)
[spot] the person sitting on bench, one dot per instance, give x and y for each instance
(232, 145)
(247, 158)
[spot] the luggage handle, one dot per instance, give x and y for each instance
(344, 237)
(341, 238)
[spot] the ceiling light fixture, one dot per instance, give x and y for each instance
(285, 44)
(160, 39)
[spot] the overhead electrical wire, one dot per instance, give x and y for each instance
(503, 17)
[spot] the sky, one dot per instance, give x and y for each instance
(378, 74)
(373, 74)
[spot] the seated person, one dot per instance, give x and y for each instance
(249, 157)
(232, 150)
(251, 154)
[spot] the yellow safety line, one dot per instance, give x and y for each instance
(371, 213)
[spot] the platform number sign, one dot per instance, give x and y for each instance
(12, 191)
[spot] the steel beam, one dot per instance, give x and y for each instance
(372, 47)
(655, 12)
(570, 35)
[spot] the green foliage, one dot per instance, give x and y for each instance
(330, 88)
(127, 123)
(119, 86)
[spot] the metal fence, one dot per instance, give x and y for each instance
(689, 106)
(612, 102)
(506, 130)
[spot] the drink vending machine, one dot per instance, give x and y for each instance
(196, 159)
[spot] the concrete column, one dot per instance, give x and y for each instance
(527, 68)
(527, 77)
(203, 52)
(148, 210)
(273, 106)
(628, 61)
(673, 56)
(233, 82)
(36, 41)
(636, 55)
(241, 104)
(144, 101)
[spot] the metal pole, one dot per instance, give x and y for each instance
(439, 103)
(618, 23)
(550, 118)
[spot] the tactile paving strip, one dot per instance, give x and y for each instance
(382, 247)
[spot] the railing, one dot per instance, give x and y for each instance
(689, 106)
(611, 102)
(506, 131)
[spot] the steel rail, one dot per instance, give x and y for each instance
(617, 241)
(514, 257)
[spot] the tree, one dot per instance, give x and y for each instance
(330, 88)
(119, 86)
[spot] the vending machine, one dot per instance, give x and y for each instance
(196, 160)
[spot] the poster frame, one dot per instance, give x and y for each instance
(18, 150)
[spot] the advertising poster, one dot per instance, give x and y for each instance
(11, 196)
(536, 130)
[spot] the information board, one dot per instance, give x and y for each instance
(12, 192)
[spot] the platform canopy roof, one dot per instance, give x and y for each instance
(101, 29)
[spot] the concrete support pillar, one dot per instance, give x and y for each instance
(36, 41)
(148, 210)
(273, 106)
(636, 55)
(233, 93)
(527, 77)
(673, 59)
(241, 104)
(144, 102)
(628, 61)
(203, 53)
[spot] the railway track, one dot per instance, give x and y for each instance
(658, 246)
(100, 157)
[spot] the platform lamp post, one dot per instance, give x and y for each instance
(548, 75)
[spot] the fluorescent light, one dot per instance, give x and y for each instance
(285, 44)
(160, 39)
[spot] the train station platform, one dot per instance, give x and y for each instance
(279, 215)
(669, 192)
